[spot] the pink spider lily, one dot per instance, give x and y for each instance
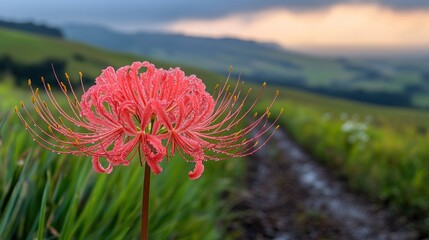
(157, 112)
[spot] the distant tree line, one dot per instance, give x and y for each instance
(32, 28)
(22, 72)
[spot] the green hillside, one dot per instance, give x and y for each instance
(24, 56)
(400, 119)
(33, 28)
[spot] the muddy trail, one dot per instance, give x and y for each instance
(289, 195)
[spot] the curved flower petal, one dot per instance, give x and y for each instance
(198, 170)
(99, 168)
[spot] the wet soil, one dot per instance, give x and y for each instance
(289, 195)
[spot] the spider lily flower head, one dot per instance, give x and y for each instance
(142, 109)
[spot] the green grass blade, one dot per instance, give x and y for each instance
(42, 215)
(3, 120)
(11, 205)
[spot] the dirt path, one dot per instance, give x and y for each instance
(291, 196)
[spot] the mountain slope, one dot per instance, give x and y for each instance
(213, 54)
(390, 82)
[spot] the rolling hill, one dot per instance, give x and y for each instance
(398, 82)
(24, 56)
(31, 27)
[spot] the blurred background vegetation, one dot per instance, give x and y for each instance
(366, 119)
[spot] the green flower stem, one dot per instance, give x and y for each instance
(145, 203)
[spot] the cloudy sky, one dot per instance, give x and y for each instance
(322, 26)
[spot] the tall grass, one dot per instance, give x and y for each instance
(48, 196)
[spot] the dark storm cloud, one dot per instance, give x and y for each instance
(168, 10)
(159, 11)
